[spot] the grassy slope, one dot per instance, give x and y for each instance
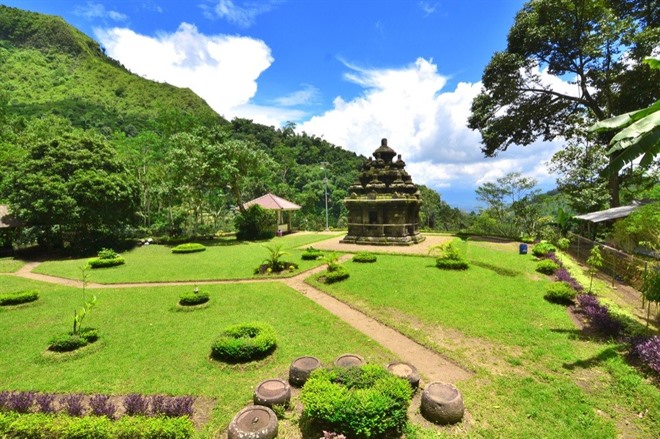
(49, 66)
(226, 260)
(10, 265)
(148, 347)
(536, 376)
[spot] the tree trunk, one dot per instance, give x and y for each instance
(613, 185)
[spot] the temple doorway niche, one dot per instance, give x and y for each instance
(383, 206)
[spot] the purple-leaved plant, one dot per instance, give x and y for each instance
(159, 405)
(599, 316)
(332, 435)
(102, 406)
(73, 404)
(136, 404)
(4, 397)
(46, 402)
(563, 275)
(20, 402)
(180, 406)
(647, 349)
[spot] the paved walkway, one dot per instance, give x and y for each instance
(432, 366)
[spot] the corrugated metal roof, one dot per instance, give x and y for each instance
(608, 214)
(272, 202)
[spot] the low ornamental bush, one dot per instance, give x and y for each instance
(70, 341)
(546, 266)
(19, 402)
(136, 404)
(543, 248)
(101, 405)
(39, 425)
(647, 349)
(18, 298)
(244, 342)
(364, 257)
(599, 316)
(560, 293)
(105, 263)
(189, 247)
(451, 264)
(45, 402)
(193, 298)
(73, 404)
(359, 402)
(311, 254)
(339, 273)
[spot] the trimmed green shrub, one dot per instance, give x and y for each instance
(43, 426)
(547, 266)
(543, 248)
(19, 297)
(104, 263)
(560, 292)
(338, 274)
(311, 254)
(255, 223)
(193, 298)
(70, 341)
(244, 342)
(451, 264)
(365, 257)
(189, 247)
(359, 402)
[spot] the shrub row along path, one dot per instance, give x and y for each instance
(431, 365)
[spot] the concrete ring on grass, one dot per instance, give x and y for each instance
(272, 392)
(349, 360)
(442, 403)
(406, 371)
(253, 422)
(301, 368)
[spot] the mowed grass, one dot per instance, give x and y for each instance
(225, 259)
(536, 375)
(10, 265)
(148, 347)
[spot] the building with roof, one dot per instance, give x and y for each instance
(280, 205)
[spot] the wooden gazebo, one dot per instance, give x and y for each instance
(278, 204)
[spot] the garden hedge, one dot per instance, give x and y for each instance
(364, 257)
(193, 298)
(547, 266)
(451, 264)
(70, 341)
(311, 254)
(42, 426)
(244, 342)
(338, 274)
(359, 402)
(105, 263)
(189, 247)
(543, 249)
(18, 298)
(560, 292)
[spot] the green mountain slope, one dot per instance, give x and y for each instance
(47, 66)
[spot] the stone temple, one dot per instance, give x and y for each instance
(383, 206)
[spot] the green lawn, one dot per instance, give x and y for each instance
(535, 375)
(226, 259)
(148, 347)
(10, 265)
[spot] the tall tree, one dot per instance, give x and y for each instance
(597, 44)
(72, 183)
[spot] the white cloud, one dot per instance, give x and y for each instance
(308, 95)
(221, 69)
(427, 8)
(97, 10)
(425, 124)
(240, 15)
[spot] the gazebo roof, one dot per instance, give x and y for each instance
(272, 202)
(6, 219)
(609, 214)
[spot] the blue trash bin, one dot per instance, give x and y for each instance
(523, 249)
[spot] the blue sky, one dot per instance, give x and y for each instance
(350, 71)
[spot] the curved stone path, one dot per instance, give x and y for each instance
(431, 365)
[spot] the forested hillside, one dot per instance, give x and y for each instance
(186, 167)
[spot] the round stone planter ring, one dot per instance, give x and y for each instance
(349, 360)
(272, 392)
(253, 422)
(301, 368)
(406, 371)
(442, 403)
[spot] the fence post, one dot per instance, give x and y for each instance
(614, 258)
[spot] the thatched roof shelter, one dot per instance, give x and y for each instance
(7, 221)
(279, 204)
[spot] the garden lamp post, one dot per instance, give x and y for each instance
(324, 166)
